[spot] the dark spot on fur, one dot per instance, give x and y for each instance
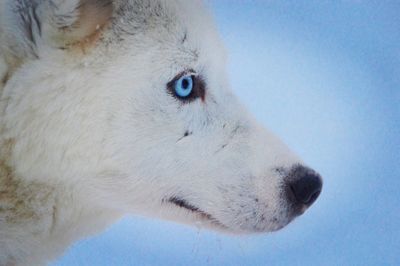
(184, 37)
(5, 78)
(281, 171)
(186, 134)
(234, 132)
(222, 147)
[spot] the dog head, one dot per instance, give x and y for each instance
(128, 103)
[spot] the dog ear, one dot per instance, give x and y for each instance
(28, 25)
(69, 22)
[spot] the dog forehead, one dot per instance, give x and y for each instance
(185, 26)
(141, 14)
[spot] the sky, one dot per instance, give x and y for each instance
(325, 77)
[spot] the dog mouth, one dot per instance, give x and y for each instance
(201, 218)
(181, 203)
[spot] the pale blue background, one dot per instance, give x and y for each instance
(325, 76)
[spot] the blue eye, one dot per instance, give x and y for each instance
(187, 86)
(184, 86)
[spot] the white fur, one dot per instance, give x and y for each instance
(90, 134)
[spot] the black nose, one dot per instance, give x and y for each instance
(303, 186)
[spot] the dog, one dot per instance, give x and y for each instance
(111, 107)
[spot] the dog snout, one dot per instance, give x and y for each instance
(303, 186)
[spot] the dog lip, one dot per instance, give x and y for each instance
(184, 204)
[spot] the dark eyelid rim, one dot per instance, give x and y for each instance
(189, 72)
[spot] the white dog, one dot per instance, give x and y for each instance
(122, 106)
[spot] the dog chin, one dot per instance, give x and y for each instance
(181, 211)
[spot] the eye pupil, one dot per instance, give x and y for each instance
(185, 83)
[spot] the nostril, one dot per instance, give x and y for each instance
(313, 197)
(305, 195)
(305, 185)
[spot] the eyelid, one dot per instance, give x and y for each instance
(189, 72)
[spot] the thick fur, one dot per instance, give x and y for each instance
(90, 132)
